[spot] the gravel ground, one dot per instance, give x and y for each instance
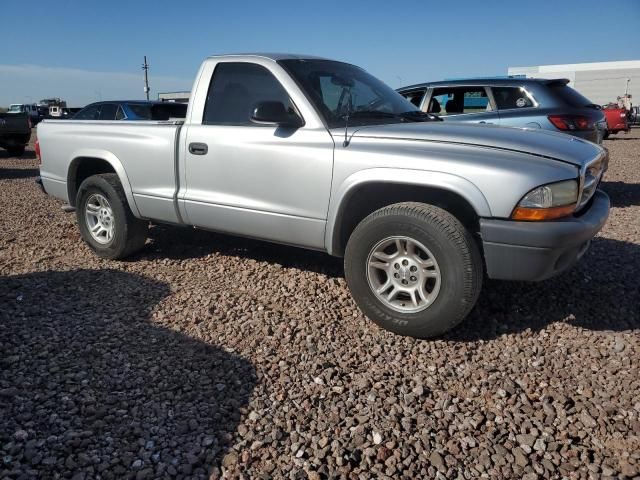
(211, 356)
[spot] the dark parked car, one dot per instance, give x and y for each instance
(15, 131)
(514, 102)
(132, 110)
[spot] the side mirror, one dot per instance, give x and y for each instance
(275, 113)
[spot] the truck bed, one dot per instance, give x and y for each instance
(143, 154)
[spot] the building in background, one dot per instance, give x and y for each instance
(182, 97)
(600, 82)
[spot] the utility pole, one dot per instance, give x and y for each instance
(145, 67)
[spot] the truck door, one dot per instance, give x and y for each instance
(257, 180)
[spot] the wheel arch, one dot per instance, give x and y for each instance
(86, 163)
(369, 190)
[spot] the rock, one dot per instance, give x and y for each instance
(377, 438)
(229, 459)
(520, 458)
(437, 461)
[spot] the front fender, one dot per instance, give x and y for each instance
(112, 160)
(422, 178)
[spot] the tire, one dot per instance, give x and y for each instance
(128, 233)
(455, 278)
(16, 151)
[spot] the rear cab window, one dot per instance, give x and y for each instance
(459, 100)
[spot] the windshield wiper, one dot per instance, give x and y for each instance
(373, 113)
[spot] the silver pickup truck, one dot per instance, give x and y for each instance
(322, 155)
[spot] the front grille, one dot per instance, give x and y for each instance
(591, 179)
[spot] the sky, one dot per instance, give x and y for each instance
(90, 50)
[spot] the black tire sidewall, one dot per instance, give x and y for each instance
(448, 308)
(118, 244)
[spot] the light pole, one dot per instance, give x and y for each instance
(145, 67)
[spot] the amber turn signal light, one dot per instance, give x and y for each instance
(537, 214)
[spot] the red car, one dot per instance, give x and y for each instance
(616, 120)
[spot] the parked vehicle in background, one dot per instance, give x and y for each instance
(514, 102)
(15, 131)
(634, 115)
(55, 111)
(30, 109)
(70, 112)
(132, 110)
(617, 119)
(320, 154)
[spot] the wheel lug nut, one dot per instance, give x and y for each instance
(396, 275)
(404, 282)
(413, 279)
(413, 268)
(405, 263)
(397, 266)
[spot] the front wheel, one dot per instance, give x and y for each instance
(414, 269)
(106, 222)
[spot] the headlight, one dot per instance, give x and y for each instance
(548, 202)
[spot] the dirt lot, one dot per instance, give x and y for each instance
(208, 355)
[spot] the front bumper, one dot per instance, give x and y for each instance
(534, 251)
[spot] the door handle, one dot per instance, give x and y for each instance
(198, 148)
(487, 123)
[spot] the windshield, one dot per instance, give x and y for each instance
(337, 89)
(15, 108)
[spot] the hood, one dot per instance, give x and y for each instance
(543, 143)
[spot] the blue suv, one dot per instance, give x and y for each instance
(132, 110)
(513, 102)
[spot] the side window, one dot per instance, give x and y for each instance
(414, 96)
(91, 112)
(120, 113)
(108, 111)
(511, 97)
(459, 100)
(235, 90)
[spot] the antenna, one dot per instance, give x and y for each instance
(345, 144)
(145, 67)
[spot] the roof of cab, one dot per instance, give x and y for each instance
(272, 56)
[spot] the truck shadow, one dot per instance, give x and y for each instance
(184, 243)
(27, 155)
(89, 385)
(15, 173)
(600, 293)
(622, 194)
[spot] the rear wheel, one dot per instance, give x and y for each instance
(413, 269)
(106, 222)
